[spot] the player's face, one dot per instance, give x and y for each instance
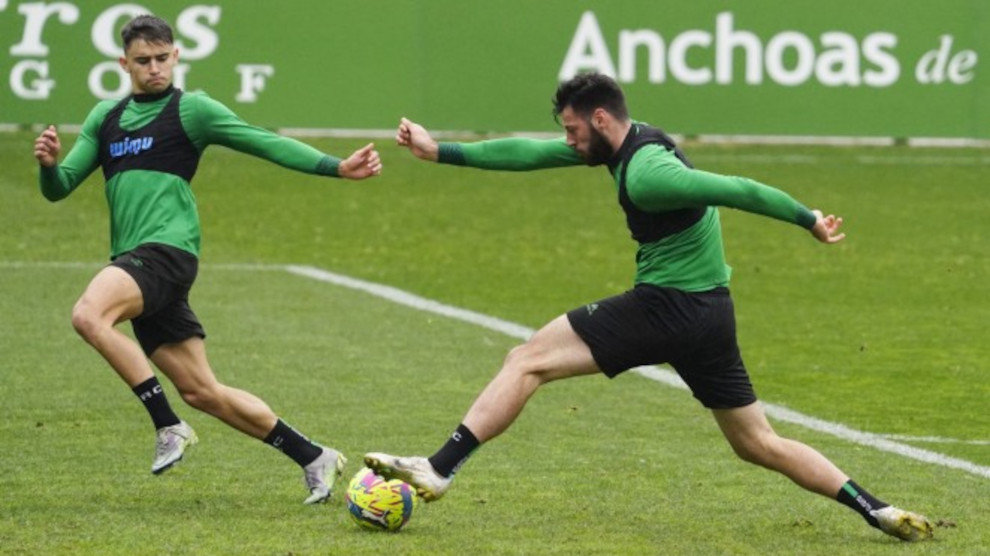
(149, 65)
(587, 141)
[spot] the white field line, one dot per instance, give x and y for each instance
(885, 443)
(866, 160)
(401, 297)
(935, 439)
(947, 160)
(933, 160)
(705, 138)
(844, 141)
(759, 158)
(47, 264)
(838, 141)
(663, 376)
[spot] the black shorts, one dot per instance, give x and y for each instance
(164, 274)
(693, 332)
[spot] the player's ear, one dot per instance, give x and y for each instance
(599, 118)
(123, 62)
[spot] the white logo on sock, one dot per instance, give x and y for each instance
(146, 395)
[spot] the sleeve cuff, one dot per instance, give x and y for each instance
(329, 166)
(451, 153)
(806, 219)
(49, 172)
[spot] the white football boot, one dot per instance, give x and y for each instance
(416, 471)
(902, 524)
(322, 474)
(170, 444)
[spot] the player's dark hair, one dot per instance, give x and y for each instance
(149, 28)
(587, 91)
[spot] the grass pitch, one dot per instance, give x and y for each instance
(884, 333)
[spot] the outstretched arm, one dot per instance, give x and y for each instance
(510, 153)
(210, 122)
(657, 181)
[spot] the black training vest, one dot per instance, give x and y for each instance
(647, 227)
(161, 146)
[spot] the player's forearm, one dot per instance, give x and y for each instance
(752, 196)
(675, 187)
(210, 122)
(296, 155)
(513, 153)
(54, 183)
(58, 181)
(284, 151)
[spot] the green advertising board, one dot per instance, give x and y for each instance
(901, 68)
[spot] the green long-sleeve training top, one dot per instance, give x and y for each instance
(657, 181)
(149, 206)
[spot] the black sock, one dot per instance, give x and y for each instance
(293, 444)
(858, 499)
(455, 452)
(153, 397)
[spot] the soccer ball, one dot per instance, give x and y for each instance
(375, 503)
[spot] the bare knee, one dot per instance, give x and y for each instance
(762, 449)
(747, 452)
(523, 362)
(85, 321)
(515, 358)
(204, 397)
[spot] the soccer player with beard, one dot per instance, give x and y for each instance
(679, 311)
(148, 146)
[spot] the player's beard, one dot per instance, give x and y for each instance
(599, 149)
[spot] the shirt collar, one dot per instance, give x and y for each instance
(618, 155)
(152, 97)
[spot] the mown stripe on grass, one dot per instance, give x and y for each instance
(663, 376)
(886, 443)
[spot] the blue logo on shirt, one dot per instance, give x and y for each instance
(130, 146)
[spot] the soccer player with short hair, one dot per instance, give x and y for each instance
(148, 146)
(679, 311)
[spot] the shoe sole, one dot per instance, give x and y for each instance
(193, 439)
(390, 473)
(166, 467)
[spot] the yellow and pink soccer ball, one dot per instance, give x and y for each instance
(375, 503)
